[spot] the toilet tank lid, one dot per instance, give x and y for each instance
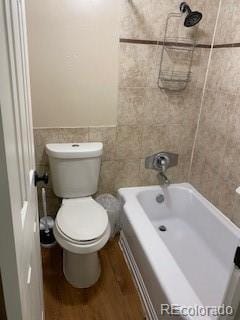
(74, 150)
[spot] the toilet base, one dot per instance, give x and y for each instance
(81, 270)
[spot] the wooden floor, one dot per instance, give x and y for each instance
(114, 297)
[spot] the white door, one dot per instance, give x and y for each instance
(20, 260)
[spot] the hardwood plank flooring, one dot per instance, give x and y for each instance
(114, 297)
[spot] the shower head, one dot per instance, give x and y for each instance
(192, 18)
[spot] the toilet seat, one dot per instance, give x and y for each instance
(77, 247)
(79, 243)
(82, 220)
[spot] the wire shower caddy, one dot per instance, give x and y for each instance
(177, 54)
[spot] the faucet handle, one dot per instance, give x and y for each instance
(161, 161)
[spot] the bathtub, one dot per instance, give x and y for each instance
(191, 263)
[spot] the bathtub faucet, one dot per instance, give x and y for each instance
(161, 162)
(163, 179)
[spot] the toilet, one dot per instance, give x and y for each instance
(81, 227)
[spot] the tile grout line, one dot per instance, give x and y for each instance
(74, 127)
(203, 92)
(161, 43)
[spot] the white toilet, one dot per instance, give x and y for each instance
(81, 227)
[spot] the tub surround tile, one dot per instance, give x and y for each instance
(226, 196)
(151, 106)
(141, 20)
(212, 143)
(118, 174)
(128, 142)
(146, 20)
(236, 215)
(215, 168)
(217, 115)
(138, 66)
(132, 107)
(108, 172)
(228, 29)
(226, 78)
(108, 136)
(147, 176)
(128, 174)
(230, 164)
(160, 138)
(207, 24)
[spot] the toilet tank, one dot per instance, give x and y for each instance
(74, 168)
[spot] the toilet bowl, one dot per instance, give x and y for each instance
(81, 227)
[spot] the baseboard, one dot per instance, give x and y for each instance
(149, 311)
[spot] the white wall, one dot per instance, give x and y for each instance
(74, 47)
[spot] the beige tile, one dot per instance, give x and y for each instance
(149, 106)
(218, 107)
(128, 174)
(203, 176)
(118, 174)
(131, 106)
(146, 20)
(108, 172)
(227, 77)
(183, 167)
(236, 211)
(216, 76)
(226, 196)
(69, 135)
(234, 120)
(138, 65)
(208, 182)
(199, 68)
(213, 127)
(128, 142)
(183, 107)
(228, 29)
(209, 10)
(41, 138)
(166, 107)
(147, 176)
(186, 139)
(160, 138)
(106, 135)
(198, 165)
(212, 142)
(230, 161)
(56, 135)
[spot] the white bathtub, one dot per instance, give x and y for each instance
(191, 263)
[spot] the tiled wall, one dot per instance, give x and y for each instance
(149, 119)
(215, 169)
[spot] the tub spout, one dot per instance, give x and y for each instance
(163, 179)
